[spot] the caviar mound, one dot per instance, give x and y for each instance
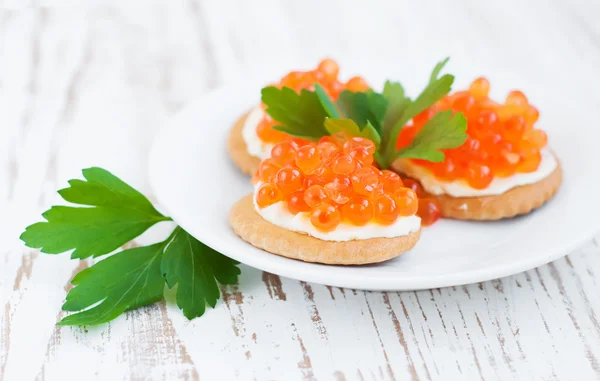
(252, 228)
(516, 201)
(326, 75)
(333, 181)
(502, 137)
(237, 149)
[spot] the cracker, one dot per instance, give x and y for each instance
(252, 228)
(236, 146)
(516, 201)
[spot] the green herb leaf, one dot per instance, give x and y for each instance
(443, 131)
(124, 281)
(300, 115)
(363, 107)
(326, 102)
(349, 128)
(397, 103)
(437, 69)
(194, 267)
(433, 92)
(117, 214)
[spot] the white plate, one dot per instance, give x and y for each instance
(194, 180)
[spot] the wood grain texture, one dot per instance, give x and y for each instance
(83, 86)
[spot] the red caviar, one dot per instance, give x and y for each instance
(334, 181)
(326, 75)
(502, 138)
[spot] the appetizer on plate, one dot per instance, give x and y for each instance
(325, 192)
(505, 167)
(325, 202)
(253, 134)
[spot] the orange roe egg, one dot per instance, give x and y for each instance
(267, 133)
(364, 181)
(268, 194)
(267, 170)
(429, 211)
(297, 143)
(530, 163)
(415, 186)
(329, 68)
(357, 84)
(339, 190)
(517, 98)
(289, 179)
(325, 217)
(327, 150)
(343, 165)
(514, 128)
(296, 203)
(391, 181)
(531, 115)
(362, 156)
(406, 201)
(479, 176)
(536, 137)
(283, 153)
(314, 196)
(331, 139)
(358, 211)
(386, 211)
(311, 180)
(464, 102)
(308, 158)
(480, 88)
(357, 142)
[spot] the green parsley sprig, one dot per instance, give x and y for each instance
(377, 116)
(110, 215)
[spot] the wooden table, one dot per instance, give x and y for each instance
(90, 86)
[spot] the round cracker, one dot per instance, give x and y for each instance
(516, 201)
(252, 228)
(236, 146)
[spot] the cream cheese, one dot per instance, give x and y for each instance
(278, 214)
(255, 146)
(499, 185)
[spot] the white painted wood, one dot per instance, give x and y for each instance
(84, 86)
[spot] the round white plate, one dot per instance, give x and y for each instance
(194, 180)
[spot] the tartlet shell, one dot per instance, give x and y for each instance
(238, 151)
(516, 201)
(252, 228)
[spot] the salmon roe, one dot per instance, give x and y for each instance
(326, 75)
(333, 181)
(502, 138)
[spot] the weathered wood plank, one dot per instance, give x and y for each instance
(83, 87)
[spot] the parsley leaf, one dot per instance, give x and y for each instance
(194, 266)
(433, 92)
(397, 103)
(349, 128)
(443, 131)
(326, 102)
(118, 214)
(124, 281)
(301, 115)
(363, 107)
